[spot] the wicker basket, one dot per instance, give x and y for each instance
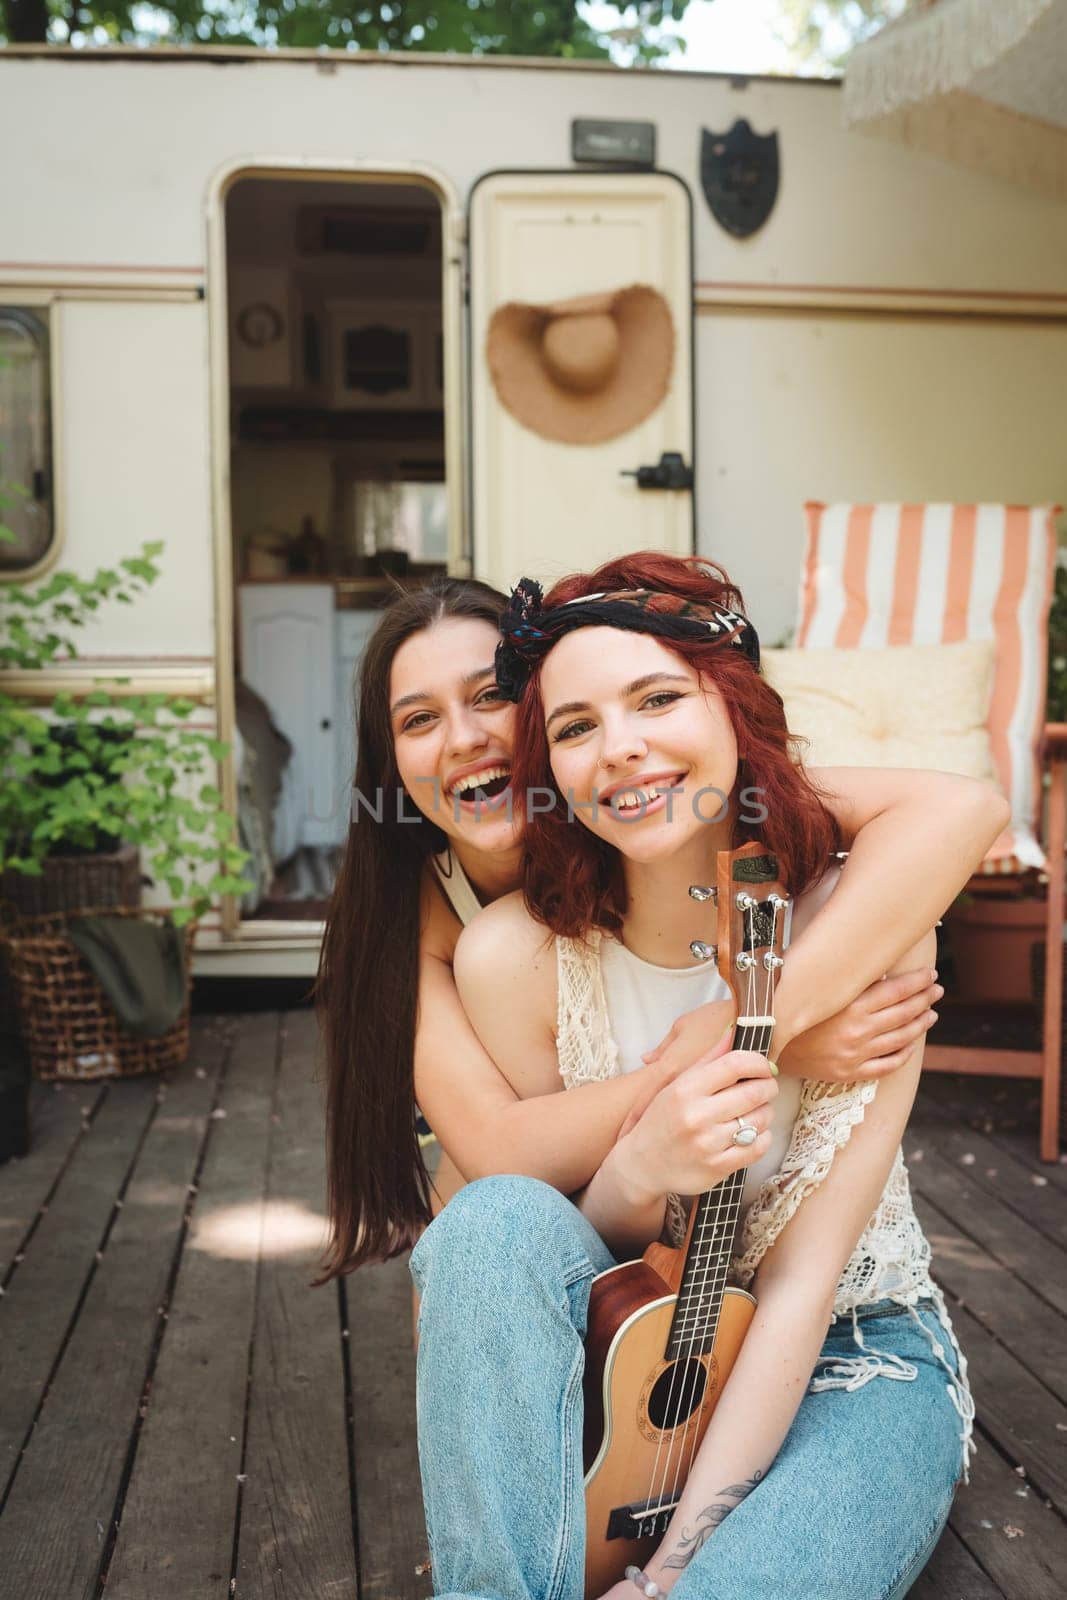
(66, 882)
(66, 1020)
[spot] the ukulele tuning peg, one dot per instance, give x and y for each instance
(703, 952)
(701, 891)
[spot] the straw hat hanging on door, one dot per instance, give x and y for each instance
(583, 370)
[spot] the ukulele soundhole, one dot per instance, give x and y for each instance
(676, 1393)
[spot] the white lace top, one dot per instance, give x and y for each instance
(892, 1257)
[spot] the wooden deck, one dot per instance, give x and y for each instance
(183, 1418)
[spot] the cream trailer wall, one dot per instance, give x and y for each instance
(867, 341)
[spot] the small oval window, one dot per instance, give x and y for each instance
(25, 439)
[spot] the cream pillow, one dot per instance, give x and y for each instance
(912, 705)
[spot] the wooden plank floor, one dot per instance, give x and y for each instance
(179, 1417)
(182, 1417)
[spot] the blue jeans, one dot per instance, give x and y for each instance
(851, 1509)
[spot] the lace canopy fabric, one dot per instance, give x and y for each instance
(891, 1260)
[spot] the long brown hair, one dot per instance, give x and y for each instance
(573, 880)
(378, 1190)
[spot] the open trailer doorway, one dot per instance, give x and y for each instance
(338, 489)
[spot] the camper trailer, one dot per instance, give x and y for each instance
(253, 293)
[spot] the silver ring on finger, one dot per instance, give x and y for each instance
(744, 1134)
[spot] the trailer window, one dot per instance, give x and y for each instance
(25, 439)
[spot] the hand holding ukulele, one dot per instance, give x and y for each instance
(683, 1140)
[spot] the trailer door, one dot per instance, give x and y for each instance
(540, 506)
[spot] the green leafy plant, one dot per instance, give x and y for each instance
(479, 27)
(1056, 702)
(82, 774)
(11, 493)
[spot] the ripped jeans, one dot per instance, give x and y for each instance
(851, 1510)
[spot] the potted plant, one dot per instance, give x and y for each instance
(998, 936)
(993, 936)
(1055, 711)
(14, 1060)
(90, 783)
(102, 774)
(1056, 693)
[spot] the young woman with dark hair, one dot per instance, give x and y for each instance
(425, 849)
(829, 1464)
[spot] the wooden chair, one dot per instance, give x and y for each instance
(878, 575)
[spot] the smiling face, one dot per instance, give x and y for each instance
(452, 732)
(631, 726)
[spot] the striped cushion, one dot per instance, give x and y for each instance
(933, 574)
(1004, 866)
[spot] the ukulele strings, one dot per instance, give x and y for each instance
(724, 1196)
(761, 1037)
(753, 1035)
(760, 1041)
(725, 1216)
(698, 1240)
(757, 1036)
(680, 1364)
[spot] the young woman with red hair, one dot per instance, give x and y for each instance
(428, 715)
(646, 741)
(425, 849)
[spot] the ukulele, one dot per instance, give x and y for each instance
(664, 1332)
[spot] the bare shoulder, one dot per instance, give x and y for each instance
(505, 944)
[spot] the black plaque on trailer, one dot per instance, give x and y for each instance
(739, 171)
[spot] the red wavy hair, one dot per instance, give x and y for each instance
(573, 881)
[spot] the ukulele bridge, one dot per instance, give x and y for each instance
(643, 1519)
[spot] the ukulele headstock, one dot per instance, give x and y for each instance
(751, 903)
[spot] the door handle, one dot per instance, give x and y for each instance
(670, 472)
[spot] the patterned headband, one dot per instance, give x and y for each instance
(528, 632)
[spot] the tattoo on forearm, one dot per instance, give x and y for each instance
(708, 1520)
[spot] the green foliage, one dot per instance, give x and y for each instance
(81, 775)
(1056, 704)
(480, 27)
(10, 493)
(820, 33)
